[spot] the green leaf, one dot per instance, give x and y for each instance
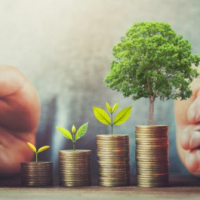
(73, 129)
(32, 147)
(65, 132)
(43, 149)
(108, 107)
(115, 107)
(122, 116)
(102, 116)
(82, 131)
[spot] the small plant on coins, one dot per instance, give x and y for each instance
(75, 135)
(102, 116)
(37, 151)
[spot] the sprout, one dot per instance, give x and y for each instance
(104, 118)
(44, 148)
(75, 134)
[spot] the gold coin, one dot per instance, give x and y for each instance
(152, 183)
(140, 142)
(114, 183)
(117, 180)
(113, 155)
(74, 184)
(110, 147)
(37, 173)
(118, 141)
(112, 136)
(115, 173)
(152, 127)
(152, 139)
(73, 164)
(152, 157)
(149, 159)
(141, 155)
(113, 143)
(74, 168)
(152, 169)
(152, 151)
(152, 164)
(158, 133)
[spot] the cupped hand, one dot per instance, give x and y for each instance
(19, 117)
(187, 114)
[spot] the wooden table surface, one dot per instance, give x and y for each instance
(181, 187)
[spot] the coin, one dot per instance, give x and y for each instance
(152, 159)
(37, 174)
(113, 160)
(74, 168)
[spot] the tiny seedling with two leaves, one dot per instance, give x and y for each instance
(37, 151)
(75, 135)
(102, 116)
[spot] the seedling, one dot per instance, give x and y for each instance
(102, 116)
(75, 135)
(37, 151)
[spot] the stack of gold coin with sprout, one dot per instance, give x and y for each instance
(75, 168)
(152, 160)
(113, 160)
(37, 174)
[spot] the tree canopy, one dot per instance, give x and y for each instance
(151, 60)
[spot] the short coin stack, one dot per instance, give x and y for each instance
(37, 174)
(152, 158)
(75, 168)
(113, 160)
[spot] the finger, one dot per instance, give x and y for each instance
(193, 113)
(182, 113)
(11, 80)
(19, 102)
(190, 137)
(192, 161)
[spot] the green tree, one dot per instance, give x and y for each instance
(152, 61)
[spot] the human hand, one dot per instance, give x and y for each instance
(19, 117)
(187, 115)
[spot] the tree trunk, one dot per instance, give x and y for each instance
(151, 110)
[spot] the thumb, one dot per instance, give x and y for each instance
(193, 113)
(188, 111)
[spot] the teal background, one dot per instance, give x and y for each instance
(65, 48)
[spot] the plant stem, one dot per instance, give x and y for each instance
(74, 146)
(74, 142)
(151, 110)
(36, 157)
(111, 123)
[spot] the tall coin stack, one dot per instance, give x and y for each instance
(37, 174)
(75, 168)
(152, 158)
(113, 160)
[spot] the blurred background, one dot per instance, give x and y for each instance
(65, 48)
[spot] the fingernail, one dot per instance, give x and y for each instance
(195, 140)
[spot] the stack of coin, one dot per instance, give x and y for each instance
(75, 168)
(113, 160)
(152, 160)
(37, 173)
